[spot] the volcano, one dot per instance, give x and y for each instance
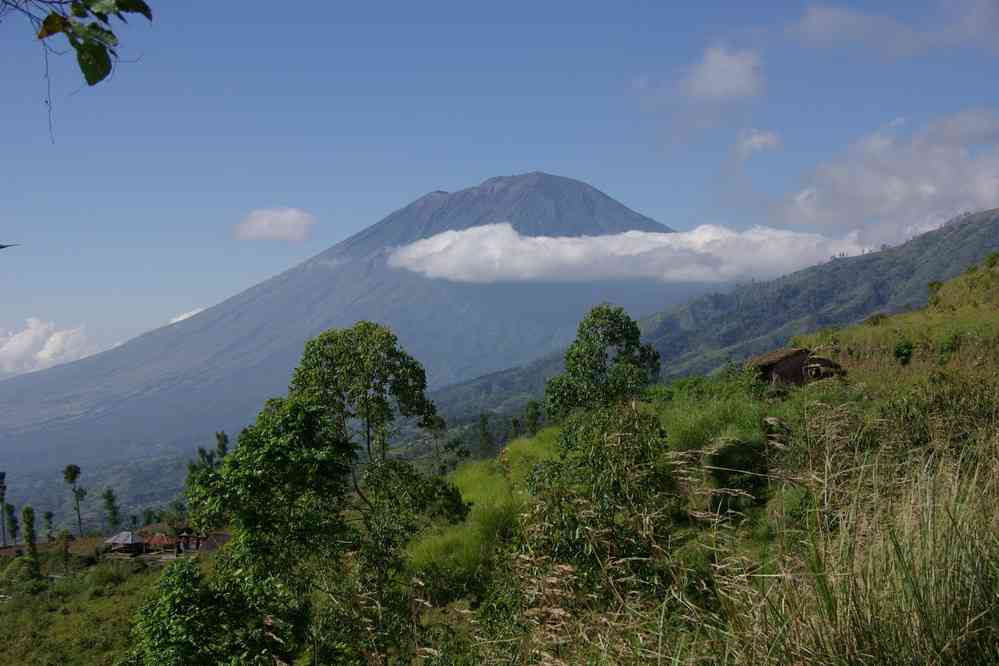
(169, 390)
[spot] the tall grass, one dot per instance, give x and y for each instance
(456, 556)
(696, 412)
(916, 582)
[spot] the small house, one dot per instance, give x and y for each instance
(126, 543)
(782, 365)
(162, 542)
(795, 365)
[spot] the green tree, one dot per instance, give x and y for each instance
(112, 512)
(64, 539)
(28, 520)
(86, 25)
(283, 492)
(210, 459)
(3, 502)
(486, 440)
(532, 417)
(319, 514)
(610, 500)
(71, 475)
(186, 622)
(10, 519)
(175, 516)
(606, 363)
(361, 375)
(48, 517)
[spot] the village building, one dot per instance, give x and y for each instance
(126, 543)
(794, 365)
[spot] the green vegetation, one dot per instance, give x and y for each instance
(606, 363)
(82, 618)
(71, 475)
(86, 25)
(112, 513)
(852, 520)
(3, 505)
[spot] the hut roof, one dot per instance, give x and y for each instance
(774, 357)
(124, 539)
(161, 539)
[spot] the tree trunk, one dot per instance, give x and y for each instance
(79, 519)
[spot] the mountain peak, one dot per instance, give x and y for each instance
(535, 204)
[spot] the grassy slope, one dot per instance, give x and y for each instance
(876, 539)
(81, 618)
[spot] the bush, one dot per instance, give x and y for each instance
(903, 351)
(609, 503)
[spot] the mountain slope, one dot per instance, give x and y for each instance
(750, 319)
(714, 329)
(173, 387)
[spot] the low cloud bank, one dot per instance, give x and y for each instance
(41, 345)
(709, 253)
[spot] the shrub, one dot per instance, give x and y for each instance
(903, 351)
(609, 503)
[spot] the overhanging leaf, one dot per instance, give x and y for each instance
(53, 25)
(135, 7)
(94, 60)
(102, 6)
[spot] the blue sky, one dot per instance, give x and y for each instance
(348, 111)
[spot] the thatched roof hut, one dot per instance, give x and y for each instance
(782, 365)
(794, 365)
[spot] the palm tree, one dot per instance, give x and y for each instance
(3, 502)
(71, 474)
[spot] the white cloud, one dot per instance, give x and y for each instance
(496, 252)
(958, 23)
(290, 224)
(756, 141)
(185, 315)
(41, 345)
(723, 75)
(891, 185)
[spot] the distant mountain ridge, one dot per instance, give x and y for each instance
(750, 319)
(170, 389)
(714, 329)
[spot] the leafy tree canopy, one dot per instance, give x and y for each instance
(607, 362)
(364, 379)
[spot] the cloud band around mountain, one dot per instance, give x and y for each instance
(709, 253)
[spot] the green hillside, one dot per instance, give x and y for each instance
(708, 520)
